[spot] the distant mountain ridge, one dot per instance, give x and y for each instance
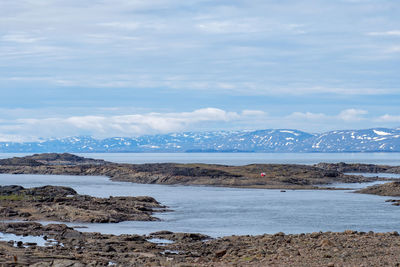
(270, 140)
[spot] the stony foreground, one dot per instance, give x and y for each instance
(73, 248)
(58, 203)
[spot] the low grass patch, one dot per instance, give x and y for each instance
(13, 197)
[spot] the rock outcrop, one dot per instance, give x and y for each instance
(51, 159)
(57, 203)
(388, 189)
(358, 167)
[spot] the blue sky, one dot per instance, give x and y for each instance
(128, 67)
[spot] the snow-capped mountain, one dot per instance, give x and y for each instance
(278, 140)
(369, 140)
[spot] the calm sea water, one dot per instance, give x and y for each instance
(227, 211)
(240, 158)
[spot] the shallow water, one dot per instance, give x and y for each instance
(379, 174)
(160, 241)
(218, 211)
(353, 186)
(393, 176)
(39, 240)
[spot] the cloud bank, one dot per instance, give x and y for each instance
(256, 47)
(197, 120)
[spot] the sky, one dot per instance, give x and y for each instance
(128, 67)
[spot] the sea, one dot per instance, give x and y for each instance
(218, 211)
(239, 158)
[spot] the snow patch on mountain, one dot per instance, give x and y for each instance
(381, 133)
(270, 140)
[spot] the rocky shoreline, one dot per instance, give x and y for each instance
(66, 246)
(57, 203)
(391, 189)
(359, 167)
(275, 176)
(69, 247)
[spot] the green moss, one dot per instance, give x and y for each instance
(247, 258)
(20, 197)
(13, 197)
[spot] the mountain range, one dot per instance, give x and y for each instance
(270, 140)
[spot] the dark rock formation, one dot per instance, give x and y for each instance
(20, 162)
(57, 203)
(51, 159)
(358, 167)
(64, 159)
(387, 189)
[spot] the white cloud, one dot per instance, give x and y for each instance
(254, 113)
(134, 25)
(132, 50)
(348, 115)
(12, 138)
(227, 27)
(386, 33)
(394, 49)
(121, 25)
(205, 119)
(352, 115)
(169, 37)
(340, 91)
(189, 83)
(20, 38)
(258, 25)
(388, 118)
(307, 116)
(123, 125)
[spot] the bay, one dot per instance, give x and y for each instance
(218, 211)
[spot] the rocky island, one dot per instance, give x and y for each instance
(64, 204)
(279, 176)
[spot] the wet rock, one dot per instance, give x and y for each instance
(70, 233)
(161, 233)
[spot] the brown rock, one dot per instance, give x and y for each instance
(326, 243)
(220, 253)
